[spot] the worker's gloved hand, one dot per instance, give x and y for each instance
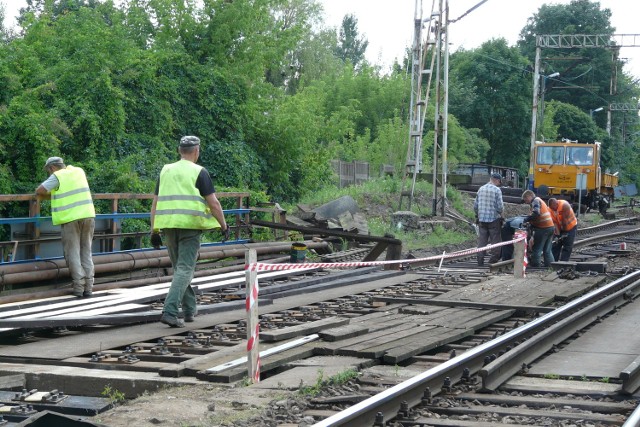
(156, 240)
(562, 236)
(226, 233)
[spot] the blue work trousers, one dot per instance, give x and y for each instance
(542, 242)
(183, 246)
(564, 245)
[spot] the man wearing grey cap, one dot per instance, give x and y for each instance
(184, 206)
(488, 208)
(72, 209)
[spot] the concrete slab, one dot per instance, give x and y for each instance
(400, 372)
(306, 372)
(91, 382)
(340, 361)
(607, 349)
(298, 377)
(544, 385)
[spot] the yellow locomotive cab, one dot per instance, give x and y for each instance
(560, 168)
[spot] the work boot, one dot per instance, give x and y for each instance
(88, 288)
(78, 289)
(189, 317)
(172, 321)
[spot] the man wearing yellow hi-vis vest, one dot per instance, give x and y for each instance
(72, 209)
(184, 206)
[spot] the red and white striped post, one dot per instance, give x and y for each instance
(253, 323)
(520, 260)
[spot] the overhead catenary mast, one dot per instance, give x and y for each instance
(423, 48)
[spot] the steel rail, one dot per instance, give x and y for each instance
(600, 227)
(384, 406)
(504, 367)
(630, 377)
(634, 419)
(604, 238)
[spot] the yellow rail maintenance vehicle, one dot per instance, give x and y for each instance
(572, 171)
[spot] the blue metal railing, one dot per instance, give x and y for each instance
(114, 216)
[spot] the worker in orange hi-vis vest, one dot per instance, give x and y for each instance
(566, 227)
(542, 226)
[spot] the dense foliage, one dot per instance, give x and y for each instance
(273, 95)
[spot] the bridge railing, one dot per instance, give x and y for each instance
(110, 234)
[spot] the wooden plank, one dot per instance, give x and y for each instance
(88, 306)
(457, 303)
(72, 345)
(267, 364)
(602, 407)
(377, 346)
(303, 329)
(524, 412)
(421, 343)
(390, 329)
(343, 332)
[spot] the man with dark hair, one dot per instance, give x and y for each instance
(566, 227)
(72, 208)
(542, 227)
(185, 205)
(488, 208)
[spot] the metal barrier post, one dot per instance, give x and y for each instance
(519, 255)
(253, 323)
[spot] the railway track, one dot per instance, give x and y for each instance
(448, 394)
(327, 303)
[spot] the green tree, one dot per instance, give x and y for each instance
(491, 92)
(351, 47)
(586, 75)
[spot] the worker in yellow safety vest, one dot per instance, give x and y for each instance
(72, 209)
(184, 206)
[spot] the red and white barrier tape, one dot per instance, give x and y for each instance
(259, 266)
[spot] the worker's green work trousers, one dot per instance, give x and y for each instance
(182, 245)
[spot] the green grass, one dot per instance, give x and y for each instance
(338, 379)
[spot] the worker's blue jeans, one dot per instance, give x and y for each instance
(183, 246)
(563, 247)
(542, 241)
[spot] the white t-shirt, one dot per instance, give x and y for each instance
(51, 183)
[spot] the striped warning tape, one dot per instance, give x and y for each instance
(260, 266)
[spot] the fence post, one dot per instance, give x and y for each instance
(253, 324)
(33, 229)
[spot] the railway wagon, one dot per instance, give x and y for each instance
(557, 167)
(479, 173)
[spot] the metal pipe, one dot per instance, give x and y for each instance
(131, 263)
(133, 283)
(58, 263)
